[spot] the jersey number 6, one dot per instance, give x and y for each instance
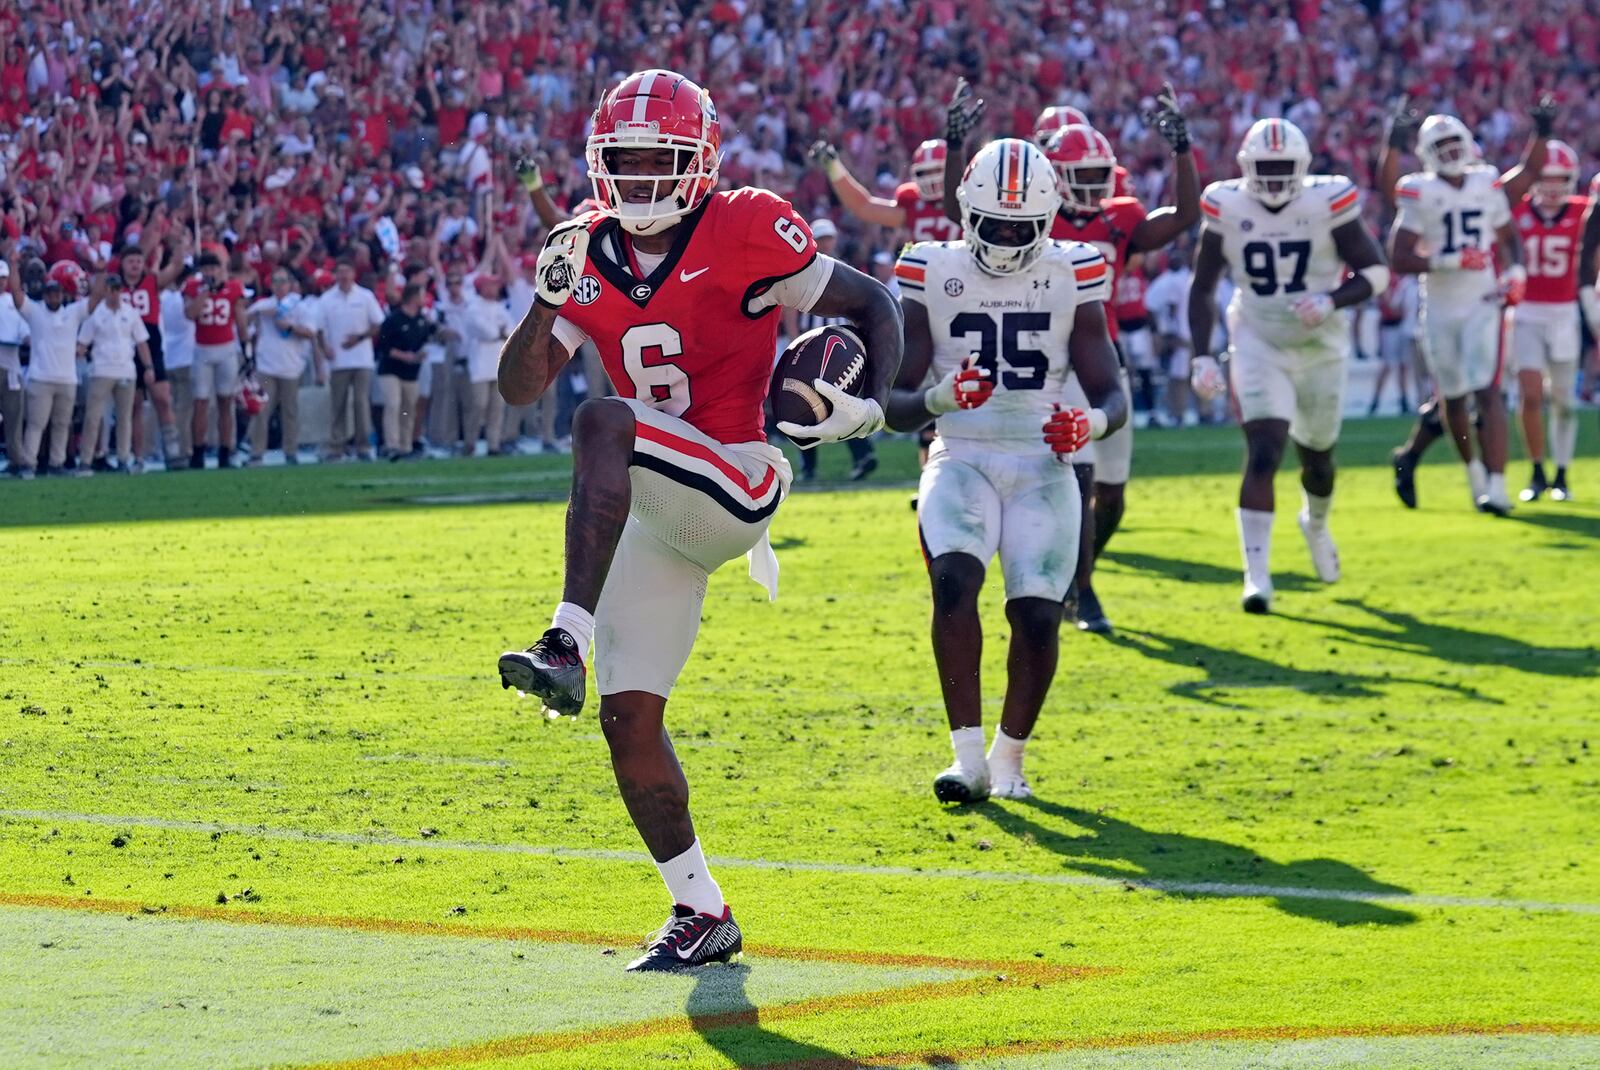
(647, 352)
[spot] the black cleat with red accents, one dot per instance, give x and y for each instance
(552, 669)
(689, 939)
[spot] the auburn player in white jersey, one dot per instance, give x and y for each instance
(1000, 318)
(1453, 216)
(1287, 236)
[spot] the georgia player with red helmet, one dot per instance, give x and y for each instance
(1545, 334)
(1059, 116)
(678, 286)
(917, 205)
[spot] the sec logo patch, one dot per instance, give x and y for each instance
(953, 287)
(587, 291)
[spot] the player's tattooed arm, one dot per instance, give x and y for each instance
(1359, 250)
(907, 410)
(531, 357)
(865, 302)
(1208, 265)
(1094, 359)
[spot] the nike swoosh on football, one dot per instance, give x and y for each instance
(690, 276)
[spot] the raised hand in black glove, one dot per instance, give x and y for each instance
(965, 109)
(1169, 119)
(825, 155)
(1544, 116)
(1401, 127)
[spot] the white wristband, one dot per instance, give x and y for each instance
(1097, 424)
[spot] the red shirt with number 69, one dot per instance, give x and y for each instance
(692, 337)
(215, 326)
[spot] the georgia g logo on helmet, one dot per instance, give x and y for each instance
(648, 112)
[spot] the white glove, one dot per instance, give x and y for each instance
(1312, 309)
(1206, 378)
(852, 417)
(965, 387)
(560, 263)
(1591, 306)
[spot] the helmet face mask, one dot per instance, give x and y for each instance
(1086, 168)
(927, 169)
(1008, 201)
(654, 154)
(1445, 145)
(1274, 160)
(1558, 180)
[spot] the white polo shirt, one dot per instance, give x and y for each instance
(488, 325)
(114, 333)
(177, 332)
(55, 340)
(342, 314)
(13, 332)
(279, 354)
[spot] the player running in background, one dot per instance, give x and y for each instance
(1546, 337)
(1287, 237)
(1000, 318)
(1403, 126)
(678, 287)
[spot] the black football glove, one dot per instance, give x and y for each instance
(966, 108)
(1544, 116)
(1169, 120)
(529, 174)
(824, 154)
(1401, 127)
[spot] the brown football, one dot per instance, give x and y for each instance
(834, 354)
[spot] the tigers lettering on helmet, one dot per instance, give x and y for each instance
(1558, 179)
(1274, 159)
(1008, 200)
(72, 279)
(652, 110)
(1085, 166)
(1445, 145)
(1054, 118)
(927, 169)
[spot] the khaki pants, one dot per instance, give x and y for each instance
(283, 395)
(485, 414)
(103, 393)
(183, 405)
(350, 387)
(12, 403)
(48, 404)
(399, 400)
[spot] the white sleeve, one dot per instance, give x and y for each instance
(374, 310)
(799, 291)
(568, 334)
(1500, 209)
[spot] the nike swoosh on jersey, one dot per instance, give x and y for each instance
(690, 276)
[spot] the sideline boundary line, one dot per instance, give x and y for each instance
(1211, 889)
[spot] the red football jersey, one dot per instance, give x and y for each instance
(683, 339)
(215, 325)
(1110, 232)
(924, 219)
(1550, 249)
(145, 299)
(1127, 298)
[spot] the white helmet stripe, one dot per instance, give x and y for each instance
(641, 101)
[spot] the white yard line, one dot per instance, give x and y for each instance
(1206, 888)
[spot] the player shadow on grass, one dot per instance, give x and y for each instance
(725, 1018)
(1197, 866)
(1178, 568)
(1233, 670)
(1571, 523)
(1406, 634)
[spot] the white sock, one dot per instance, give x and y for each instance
(1563, 435)
(1477, 477)
(968, 744)
(690, 882)
(1006, 750)
(576, 622)
(1497, 485)
(1255, 539)
(1317, 506)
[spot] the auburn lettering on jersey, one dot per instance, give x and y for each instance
(924, 219)
(1550, 247)
(693, 337)
(215, 326)
(1110, 232)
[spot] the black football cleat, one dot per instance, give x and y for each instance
(552, 669)
(1536, 486)
(1558, 489)
(1405, 477)
(864, 468)
(1091, 618)
(688, 940)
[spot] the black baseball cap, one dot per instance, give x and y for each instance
(114, 281)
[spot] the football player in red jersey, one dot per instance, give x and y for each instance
(1545, 333)
(1119, 227)
(216, 304)
(144, 294)
(1058, 116)
(918, 205)
(678, 287)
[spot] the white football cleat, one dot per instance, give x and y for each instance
(1257, 595)
(962, 783)
(1009, 783)
(1324, 555)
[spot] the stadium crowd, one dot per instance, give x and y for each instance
(380, 138)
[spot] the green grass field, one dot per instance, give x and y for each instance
(264, 803)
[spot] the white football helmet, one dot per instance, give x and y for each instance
(1008, 182)
(1558, 180)
(1280, 143)
(1445, 145)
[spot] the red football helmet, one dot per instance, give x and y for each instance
(1086, 168)
(1559, 178)
(252, 399)
(74, 281)
(655, 109)
(1054, 118)
(927, 169)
